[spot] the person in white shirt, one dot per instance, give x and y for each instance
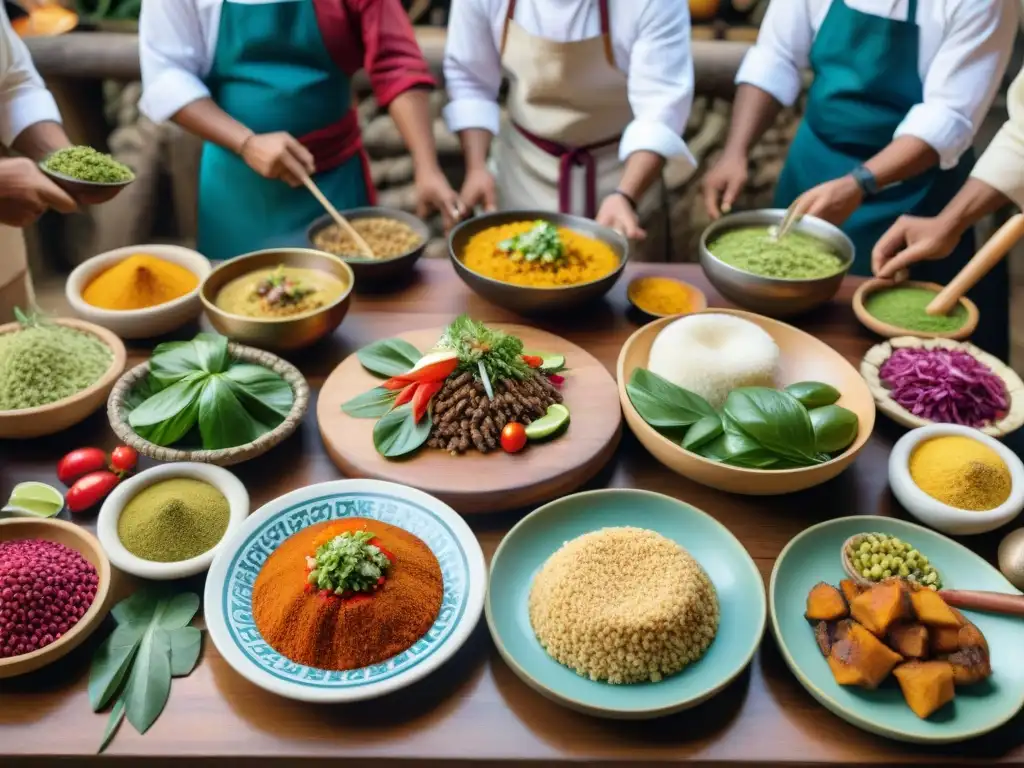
(599, 94)
(900, 88)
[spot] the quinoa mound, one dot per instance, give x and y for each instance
(623, 605)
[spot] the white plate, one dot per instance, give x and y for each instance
(227, 601)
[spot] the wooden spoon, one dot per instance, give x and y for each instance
(851, 571)
(990, 254)
(341, 221)
(989, 602)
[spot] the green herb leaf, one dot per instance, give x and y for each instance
(662, 404)
(397, 434)
(370, 405)
(116, 716)
(773, 418)
(814, 394)
(168, 415)
(835, 428)
(499, 353)
(139, 607)
(178, 611)
(703, 431)
(111, 663)
(223, 420)
(738, 450)
(149, 684)
(212, 352)
(173, 361)
(263, 387)
(186, 643)
(390, 357)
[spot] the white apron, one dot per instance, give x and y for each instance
(15, 283)
(568, 105)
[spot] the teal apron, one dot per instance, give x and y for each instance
(273, 70)
(866, 80)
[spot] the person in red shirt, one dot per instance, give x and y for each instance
(267, 85)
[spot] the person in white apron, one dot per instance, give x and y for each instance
(599, 94)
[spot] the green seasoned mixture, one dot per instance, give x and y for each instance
(903, 306)
(42, 363)
(542, 243)
(86, 164)
(795, 257)
(174, 520)
(348, 562)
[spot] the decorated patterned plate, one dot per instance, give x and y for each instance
(229, 588)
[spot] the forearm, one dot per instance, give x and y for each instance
(476, 145)
(641, 170)
(972, 203)
(904, 158)
(209, 122)
(753, 113)
(411, 113)
(40, 139)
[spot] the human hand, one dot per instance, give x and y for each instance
(910, 240)
(723, 184)
(433, 192)
(478, 190)
(26, 193)
(834, 201)
(617, 213)
(278, 156)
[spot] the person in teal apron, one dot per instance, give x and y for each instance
(865, 153)
(267, 85)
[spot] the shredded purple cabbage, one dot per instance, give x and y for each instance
(945, 385)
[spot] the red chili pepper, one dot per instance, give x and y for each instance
(123, 459)
(79, 463)
(421, 400)
(557, 380)
(90, 490)
(533, 361)
(376, 542)
(395, 383)
(406, 395)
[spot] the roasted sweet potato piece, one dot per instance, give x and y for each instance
(909, 640)
(824, 635)
(970, 665)
(879, 607)
(932, 610)
(850, 589)
(826, 603)
(944, 640)
(859, 658)
(927, 685)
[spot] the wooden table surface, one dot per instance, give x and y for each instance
(474, 708)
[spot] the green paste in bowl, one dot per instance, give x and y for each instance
(796, 256)
(905, 307)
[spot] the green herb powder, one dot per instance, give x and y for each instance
(795, 257)
(174, 520)
(86, 164)
(904, 307)
(43, 363)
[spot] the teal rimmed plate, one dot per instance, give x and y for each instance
(814, 556)
(228, 596)
(537, 536)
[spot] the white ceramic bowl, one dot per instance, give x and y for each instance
(942, 517)
(139, 323)
(110, 512)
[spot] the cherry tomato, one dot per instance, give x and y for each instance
(90, 490)
(123, 459)
(80, 462)
(513, 437)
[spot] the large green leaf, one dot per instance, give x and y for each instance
(370, 405)
(703, 432)
(262, 386)
(186, 643)
(111, 663)
(116, 716)
(178, 610)
(773, 418)
(139, 607)
(212, 352)
(172, 361)
(150, 682)
(397, 434)
(168, 415)
(390, 357)
(223, 420)
(662, 404)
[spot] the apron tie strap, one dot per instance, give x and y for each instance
(334, 144)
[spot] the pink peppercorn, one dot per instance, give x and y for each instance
(45, 588)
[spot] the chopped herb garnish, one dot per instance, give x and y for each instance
(541, 244)
(348, 563)
(490, 355)
(280, 290)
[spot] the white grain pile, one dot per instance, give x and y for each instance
(711, 355)
(625, 605)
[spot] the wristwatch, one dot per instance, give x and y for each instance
(865, 180)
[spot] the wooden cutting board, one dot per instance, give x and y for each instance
(475, 482)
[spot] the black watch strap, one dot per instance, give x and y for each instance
(628, 198)
(865, 180)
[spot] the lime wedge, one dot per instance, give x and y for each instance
(34, 500)
(552, 421)
(552, 363)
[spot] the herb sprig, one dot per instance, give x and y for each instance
(348, 562)
(541, 243)
(498, 354)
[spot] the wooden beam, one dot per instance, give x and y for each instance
(115, 56)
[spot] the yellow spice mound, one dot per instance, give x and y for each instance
(139, 282)
(961, 472)
(586, 259)
(625, 605)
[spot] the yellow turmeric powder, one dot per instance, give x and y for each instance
(661, 296)
(961, 472)
(139, 282)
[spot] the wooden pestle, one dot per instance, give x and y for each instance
(987, 257)
(989, 602)
(340, 220)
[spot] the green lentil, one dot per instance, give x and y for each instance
(174, 520)
(42, 363)
(87, 164)
(795, 257)
(877, 556)
(904, 307)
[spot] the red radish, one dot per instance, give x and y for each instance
(123, 459)
(533, 361)
(557, 380)
(407, 394)
(90, 490)
(421, 400)
(80, 462)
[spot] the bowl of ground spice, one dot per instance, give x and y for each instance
(168, 522)
(88, 175)
(778, 278)
(54, 373)
(345, 591)
(655, 297)
(898, 309)
(141, 291)
(956, 479)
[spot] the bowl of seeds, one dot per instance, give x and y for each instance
(396, 238)
(88, 175)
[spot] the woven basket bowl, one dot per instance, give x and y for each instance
(225, 457)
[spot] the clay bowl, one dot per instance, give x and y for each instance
(77, 538)
(58, 416)
(888, 331)
(803, 358)
(278, 334)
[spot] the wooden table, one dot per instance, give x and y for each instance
(475, 708)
